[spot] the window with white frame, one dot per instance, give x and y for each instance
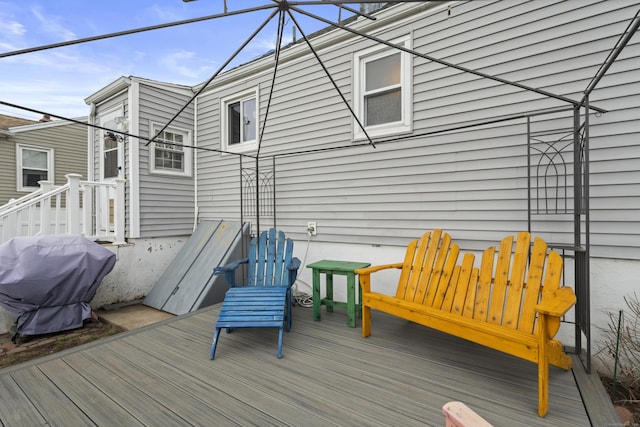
(171, 151)
(382, 90)
(33, 164)
(239, 122)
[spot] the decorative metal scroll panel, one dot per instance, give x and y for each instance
(258, 192)
(552, 162)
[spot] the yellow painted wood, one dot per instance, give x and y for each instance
(459, 297)
(557, 303)
(364, 274)
(500, 281)
(532, 287)
(481, 299)
(468, 294)
(454, 301)
(557, 356)
(447, 301)
(516, 281)
(424, 265)
(442, 278)
(407, 267)
(415, 266)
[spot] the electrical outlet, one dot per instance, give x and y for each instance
(311, 228)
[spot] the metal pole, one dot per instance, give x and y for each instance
(620, 44)
(134, 31)
(529, 173)
(222, 67)
(273, 166)
(442, 62)
(257, 196)
(355, 116)
(587, 234)
(273, 79)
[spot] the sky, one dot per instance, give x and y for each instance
(58, 80)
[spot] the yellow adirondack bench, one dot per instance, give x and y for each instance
(513, 303)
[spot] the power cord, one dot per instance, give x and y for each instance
(301, 298)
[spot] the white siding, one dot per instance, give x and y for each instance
(471, 182)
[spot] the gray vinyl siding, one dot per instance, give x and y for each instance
(7, 170)
(166, 201)
(471, 182)
(68, 142)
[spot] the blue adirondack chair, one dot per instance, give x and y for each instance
(265, 300)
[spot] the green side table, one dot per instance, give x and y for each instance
(343, 268)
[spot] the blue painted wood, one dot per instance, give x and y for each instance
(265, 301)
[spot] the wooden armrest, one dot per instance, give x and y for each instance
(292, 269)
(558, 303)
(294, 264)
(373, 269)
(230, 267)
(229, 271)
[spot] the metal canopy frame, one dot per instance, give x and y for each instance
(552, 155)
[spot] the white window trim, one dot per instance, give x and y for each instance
(188, 151)
(406, 60)
(51, 173)
(245, 146)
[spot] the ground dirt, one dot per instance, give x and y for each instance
(33, 347)
(627, 398)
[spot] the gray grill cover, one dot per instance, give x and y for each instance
(48, 281)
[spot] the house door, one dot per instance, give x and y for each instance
(111, 145)
(111, 163)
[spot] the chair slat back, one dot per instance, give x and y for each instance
(535, 288)
(427, 269)
(269, 255)
(510, 284)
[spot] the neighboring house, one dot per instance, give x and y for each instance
(33, 151)
(452, 147)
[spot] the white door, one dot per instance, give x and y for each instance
(111, 166)
(111, 145)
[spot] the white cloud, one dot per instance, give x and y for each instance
(176, 62)
(186, 64)
(12, 28)
(50, 24)
(265, 44)
(7, 46)
(165, 13)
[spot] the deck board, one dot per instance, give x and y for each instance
(329, 375)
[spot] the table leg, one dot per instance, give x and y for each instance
(359, 306)
(316, 294)
(329, 298)
(351, 300)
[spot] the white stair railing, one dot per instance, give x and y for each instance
(92, 209)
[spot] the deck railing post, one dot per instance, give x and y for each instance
(119, 212)
(45, 208)
(87, 209)
(73, 203)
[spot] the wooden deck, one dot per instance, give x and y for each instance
(402, 375)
